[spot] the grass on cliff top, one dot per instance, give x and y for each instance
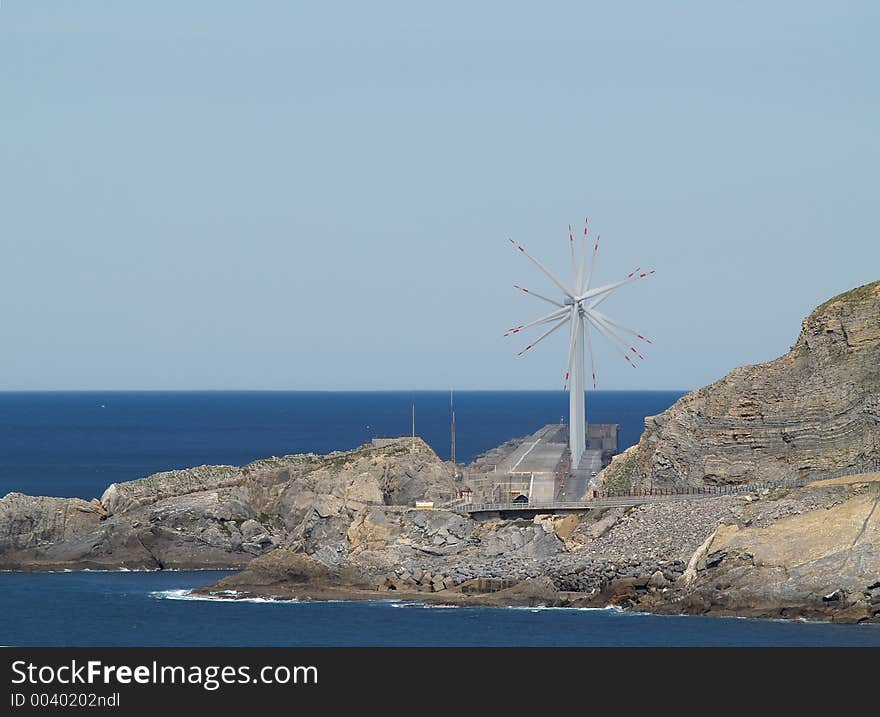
(853, 296)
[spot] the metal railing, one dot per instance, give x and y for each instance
(658, 495)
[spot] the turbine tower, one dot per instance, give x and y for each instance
(578, 309)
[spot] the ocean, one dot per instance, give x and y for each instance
(76, 443)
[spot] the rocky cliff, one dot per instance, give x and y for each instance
(815, 409)
(221, 516)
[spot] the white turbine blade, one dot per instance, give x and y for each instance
(574, 269)
(543, 336)
(590, 349)
(589, 279)
(610, 338)
(550, 275)
(539, 296)
(620, 340)
(552, 316)
(601, 290)
(620, 326)
(598, 301)
(580, 273)
(571, 345)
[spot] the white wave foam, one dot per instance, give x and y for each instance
(542, 608)
(219, 596)
(424, 605)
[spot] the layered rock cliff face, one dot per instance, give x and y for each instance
(815, 409)
(221, 516)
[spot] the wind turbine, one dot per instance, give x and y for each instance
(579, 309)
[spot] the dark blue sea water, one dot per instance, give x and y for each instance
(109, 609)
(77, 443)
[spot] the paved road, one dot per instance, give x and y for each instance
(538, 453)
(579, 482)
(543, 487)
(535, 460)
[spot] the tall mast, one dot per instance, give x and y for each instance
(452, 426)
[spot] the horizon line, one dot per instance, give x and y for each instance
(335, 390)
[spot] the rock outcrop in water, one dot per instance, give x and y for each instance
(816, 409)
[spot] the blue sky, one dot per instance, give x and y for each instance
(289, 195)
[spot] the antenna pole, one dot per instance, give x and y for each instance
(413, 425)
(452, 429)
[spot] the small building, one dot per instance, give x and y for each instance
(602, 436)
(424, 505)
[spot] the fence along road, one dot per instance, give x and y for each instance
(615, 499)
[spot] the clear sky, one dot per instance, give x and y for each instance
(289, 195)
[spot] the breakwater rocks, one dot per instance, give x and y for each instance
(816, 409)
(566, 575)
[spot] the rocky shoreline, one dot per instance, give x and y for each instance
(805, 552)
(344, 525)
